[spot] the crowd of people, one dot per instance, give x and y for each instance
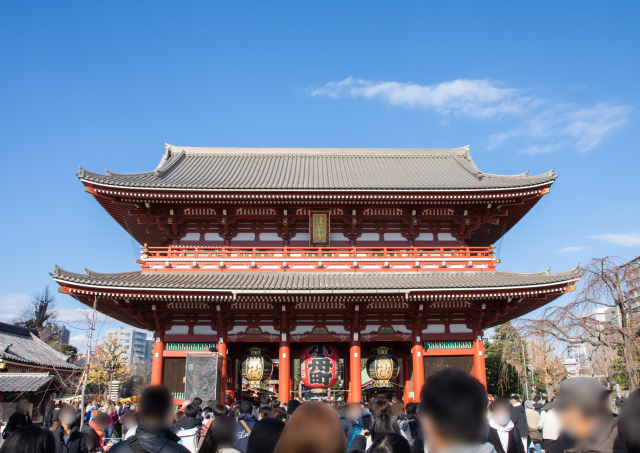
(454, 415)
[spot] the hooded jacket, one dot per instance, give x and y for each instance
(151, 441)
(242, 433)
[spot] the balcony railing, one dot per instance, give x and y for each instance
(175, 258)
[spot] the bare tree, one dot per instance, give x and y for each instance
(605, 283)
(39, 312)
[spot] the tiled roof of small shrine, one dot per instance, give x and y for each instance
(19, 344)
(319, 169)
(299, 282)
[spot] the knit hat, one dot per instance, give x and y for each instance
(265, 435)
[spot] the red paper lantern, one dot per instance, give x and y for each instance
(319, 366)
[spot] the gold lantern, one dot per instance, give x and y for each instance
(256, 367)
(383, 367)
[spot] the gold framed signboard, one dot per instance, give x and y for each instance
(319, 228)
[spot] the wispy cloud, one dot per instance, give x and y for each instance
(11, 304)
(571, 249)
(539, 120)
(625, 240)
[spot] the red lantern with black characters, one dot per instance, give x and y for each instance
(319, 366)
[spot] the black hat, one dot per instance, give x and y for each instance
(265, 435)
(582, 392)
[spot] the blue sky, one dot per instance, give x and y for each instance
(530, 86)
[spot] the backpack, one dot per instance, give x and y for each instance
(405, 428)
(189, 438)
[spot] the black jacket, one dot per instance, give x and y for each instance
(519, 419)
(515, 442)
(187, 423)
(152, 441)
(75, 443)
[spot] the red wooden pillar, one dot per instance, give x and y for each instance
(418, 360)
(406, 377)
(222, 349)
(157, 363)
(284, 366)
(355, 385)
(479, 370)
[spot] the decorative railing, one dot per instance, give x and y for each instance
(315, 258)
(452, 344)
(188, 346)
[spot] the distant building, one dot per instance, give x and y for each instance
(576, 360)
(134, 342)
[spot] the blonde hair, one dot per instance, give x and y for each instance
(313, 428)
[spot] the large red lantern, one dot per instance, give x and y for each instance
(319, 366)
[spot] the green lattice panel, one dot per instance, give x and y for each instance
(454, 344)
(176, 346)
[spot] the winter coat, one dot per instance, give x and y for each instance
(151, 441)
(549, 424)
(242, 433)
(533, 418)
(605, 440)
(519, 419)
(75, 442)
(514, 444)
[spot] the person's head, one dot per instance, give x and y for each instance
(265, 435)
(29, 439)
(353, 412)
(111, 407)
(411, 408)
(206, 411)
(384, 423)
(22, 407)
(221, 434)
(197, 402)
(536, 399)
(101, 420)
(245, 407)
(156, 407)
(292, 406)
(220, 410)
(514, 399)
(378, 407)
(582, 406)
(130, 419)
(278, 413)
(453, 408)
(390, 443)
(340, 405)
(500, 411)
(263, 412)
(178, 416)
(628, 422)
(191, 410)
(313, 427)
(275, 403)
(67, 417)
(265, 400)
(212, 403)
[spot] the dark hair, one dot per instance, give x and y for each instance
(457, 404)
(264, 412)
(536, 399)
(197, 401)
(245, 407)
(275, 404)
(264, 400)
(212, 403)
(206, 411)
(292, 406)
(628, 422)
(411, 408)
(265, 435)
(378, 407)
(384, 423)
(29, 439)
(155, 402)
(219, 410)
(278, 413)
(101, 419)
(499, 403)
(390, 443)
(191, 410)
(515, 397)
(221, 433)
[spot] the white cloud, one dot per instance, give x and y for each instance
(571, 249)
(11, 304)
(539, 119)
(625, 240)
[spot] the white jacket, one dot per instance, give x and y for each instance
(549, 424)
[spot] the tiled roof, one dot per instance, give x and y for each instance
(21, 345)
(24, 382)
(306, 281)
(316, 169)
